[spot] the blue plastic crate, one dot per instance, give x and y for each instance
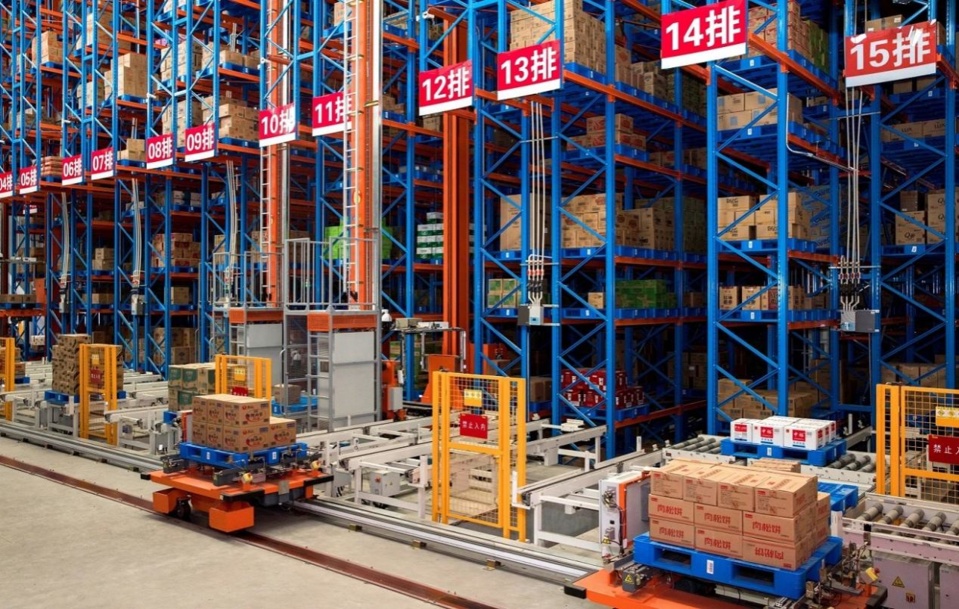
(842, 496)
(821, 457)
(722, 570)
(225, 459)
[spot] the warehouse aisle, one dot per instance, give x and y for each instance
(58, 544)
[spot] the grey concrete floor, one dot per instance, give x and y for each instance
(63, 547)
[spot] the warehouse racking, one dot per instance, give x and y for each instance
(541, 176)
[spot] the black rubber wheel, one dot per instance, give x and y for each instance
(183, 509)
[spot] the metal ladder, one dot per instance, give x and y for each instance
(351, 172)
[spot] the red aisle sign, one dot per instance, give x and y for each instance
(892, 54)
(944, 449)
(278, 125)
(707, 33)
(160, 151)
(474, 426)
(200, 143)
(102, 164)
(528, 71)
(72, 172)
(6, 185)
(328, 113)
(28, 180)
(447, 88)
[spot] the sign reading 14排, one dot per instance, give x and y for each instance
(891, 54)
(706, 33)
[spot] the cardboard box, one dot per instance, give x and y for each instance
(785, 494)
(282, 431)
(741, 430)
(769, 432)
(247, 438)
(540, 389)
(214, 436)
(738, 491)
(778, 529)
(823, 506)
(762, 552)
(704, 488)
(720, 519)
(719, 542)
(668, 508)
(198, 432)
(777, 465)
(670, 480)
(285, 395)
(672, 532)
(807, 436)
(239, 411)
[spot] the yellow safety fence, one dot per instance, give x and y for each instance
(8, 371)
(918, 427)
(242, 375)
(99, 384)
(479, 450)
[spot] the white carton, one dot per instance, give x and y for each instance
(769, 433)
(741, 430)
(807, 435)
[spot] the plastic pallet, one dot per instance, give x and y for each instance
(22, 380)
(719, 569)
(226, 459)
(55, 397)
(842, 496)
(821, 457)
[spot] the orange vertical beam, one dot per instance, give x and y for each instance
(278, 36)
(456, 208)
(363, 263)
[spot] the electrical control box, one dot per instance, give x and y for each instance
(385, 483)
(623, 511)
(909, 582)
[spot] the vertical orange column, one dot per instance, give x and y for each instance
(456, 209)
(363, 261)
(278, 37)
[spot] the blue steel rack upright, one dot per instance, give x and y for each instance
(792, 339)
(913, 285)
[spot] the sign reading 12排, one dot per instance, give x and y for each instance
(446, 88)
(527, 71)
(707, 33)
(891, 54)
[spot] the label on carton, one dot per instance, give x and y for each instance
(741, 430)
(719, 542)
(721, 519)
(671, 509)
(763, 552)
(670, 531)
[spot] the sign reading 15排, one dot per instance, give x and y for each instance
(706, 33)
(891, 54)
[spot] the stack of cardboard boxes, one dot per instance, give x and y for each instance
(741, 109)
(503, 293)
(803, 36)
(917, 130)
(103, 259)
(187, 381)
(229, 56)
(184, 251)
(183, 345)
(66, 363)
(761, 298)
(922, 374)
(237, 119)
(19, 367)
(585, 35)
(183, 69)
(695, 366)
(51, 167)
(738, 404)
(135, 151)
(763, 517)
(97, 366)
(91, 94)
(580, 393)
(287, 395)
(337, 241)
(51, 49)
(510, 239)
(637, 294)
(430, 236)
(239, 424)
(764, 222)
(176, 113)
(131, 76)
(928, 210)
(595, 136)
